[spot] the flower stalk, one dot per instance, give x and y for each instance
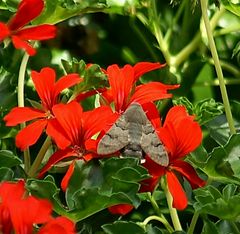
(160, 216)
(173, 212)
(21, 79)
(213, 49)
(40, 156)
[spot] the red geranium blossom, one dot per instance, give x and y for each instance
(121, 209)
(123, 90)
(48, 90)
(180, 135)
(19, 212)
(78, 127)
(27, 11)
(57, 226)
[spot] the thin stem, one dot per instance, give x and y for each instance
(158, 33)
(21, 79)
(192, 46)
(186, 51)
(228, 67)
(193, 223)
(173, 211)
(153, 217)
(218, 68)
(38, 160)
(158, 212)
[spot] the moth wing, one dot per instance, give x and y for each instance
(115, 138)
(152, 145)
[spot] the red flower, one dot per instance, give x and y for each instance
(181, 135)
(57, 226)
(122, 82)
(48, 91)
(19, 212)
(9, 193)
(27, 11)
(78, 127)
(121, 209)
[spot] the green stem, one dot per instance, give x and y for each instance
(186, 51)
(158, 34)
(38, 160)
(204, 7)
(154, 217)
(193, 223)
(192, 46)
(173, 211)
(21, 79)
(158, 212)
(228, 67)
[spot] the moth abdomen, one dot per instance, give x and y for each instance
(133, 150)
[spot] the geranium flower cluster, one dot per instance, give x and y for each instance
(76, 132)
(21, 213)
(72, 128)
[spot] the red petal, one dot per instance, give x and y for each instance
(66, 82)
(151, 91)
(20, 44)
(58, 225)
(189, 173)
(55, 131)
(97, 120)
(44, 83)
(87, 94)
(176, 114)
(30, 134)
(180, 133)
(27, 11)
(121, 209)
(153, 168)
(10, 191)
(22, 114)
(4, 31)
(55, 158)
(40, 32)
(70, 118)
(179, 197)
(149, 185)
(144, 67)
(29, 211)
(152, 113)
(67, 177)
(121, 82)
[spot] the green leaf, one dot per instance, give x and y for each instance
(225, 226)
(223, 163)
(93, 76)
(120, 227)
(204, 110)
(231, 6)
(96, 186)
(47, 189)
(8, 159)
(218, 129)
(6, 174)
(57, 11)
(211, 201)
(209, 228)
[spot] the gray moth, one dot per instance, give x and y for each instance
(134, 135)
